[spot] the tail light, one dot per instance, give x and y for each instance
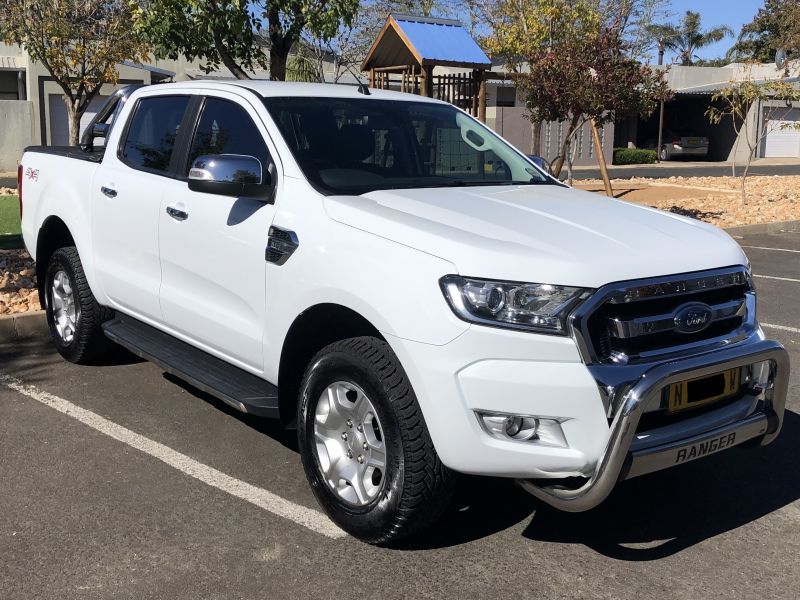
(676, 142)
(19, 189)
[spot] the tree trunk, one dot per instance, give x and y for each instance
(278, 56)
(744, 174)
(228, 60)
(280, 43)
(74, 121)
(536, 138)
(559, 162)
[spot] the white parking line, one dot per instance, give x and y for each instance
(775, 249)
(781, 327)
(777, 278)
(307, 517)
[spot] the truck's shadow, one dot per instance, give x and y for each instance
(644, 519)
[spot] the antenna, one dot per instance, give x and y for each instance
(363, 88)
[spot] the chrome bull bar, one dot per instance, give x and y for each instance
(618, 462)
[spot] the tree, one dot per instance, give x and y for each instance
(214, 31)
(570, 64)
(754, 109)
(237, 33)
(79, 42)
(776, 25)
(686, 37)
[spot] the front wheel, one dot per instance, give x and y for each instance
(663, 155)
(364, 444)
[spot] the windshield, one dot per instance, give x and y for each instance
(355, 146)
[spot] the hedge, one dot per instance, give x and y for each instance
(634, 156)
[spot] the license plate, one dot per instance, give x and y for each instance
(703, 390)
(694, 142)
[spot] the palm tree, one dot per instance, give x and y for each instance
(687, 36)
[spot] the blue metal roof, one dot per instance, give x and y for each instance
(441, 40)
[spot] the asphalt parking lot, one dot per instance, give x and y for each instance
(119, 482)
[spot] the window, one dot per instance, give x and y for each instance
(226, 128)
(152, 132)
(354, 146)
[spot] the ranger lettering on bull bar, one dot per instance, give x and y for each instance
(703, 448)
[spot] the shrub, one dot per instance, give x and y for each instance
(634, 156)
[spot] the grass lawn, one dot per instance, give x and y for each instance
(9, 222)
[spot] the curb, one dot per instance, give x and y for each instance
(23, 326)
(763, 228)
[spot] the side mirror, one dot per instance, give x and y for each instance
(100, 130)
(230, 175)
(540, 162)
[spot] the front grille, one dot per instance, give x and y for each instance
(633, 320)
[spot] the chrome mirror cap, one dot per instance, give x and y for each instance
(230, 175)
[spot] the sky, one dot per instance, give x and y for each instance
(733, 13)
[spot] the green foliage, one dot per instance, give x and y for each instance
(79, 42)
(634, 156)
(686, 37)
(776, 25)
(238, 33)
(212, 31)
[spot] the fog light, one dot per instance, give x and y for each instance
(524, 428)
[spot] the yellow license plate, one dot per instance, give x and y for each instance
(703, 390)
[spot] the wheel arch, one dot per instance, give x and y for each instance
(312, 330)
(53, 234)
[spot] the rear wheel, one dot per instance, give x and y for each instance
(365, 448)
(73, 315)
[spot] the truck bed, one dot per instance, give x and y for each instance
(75, 152)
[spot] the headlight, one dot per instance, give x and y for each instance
(528, 306)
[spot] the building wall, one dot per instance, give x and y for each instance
(16, 125)
(513, 124)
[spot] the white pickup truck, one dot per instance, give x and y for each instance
(414, 295)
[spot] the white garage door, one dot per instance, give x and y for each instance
(783, 139)
(59, 122)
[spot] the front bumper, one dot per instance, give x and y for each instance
(625, 456)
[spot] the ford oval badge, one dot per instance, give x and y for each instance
(693, 317)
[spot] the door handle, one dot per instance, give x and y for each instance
(177, 213)
(109, 191)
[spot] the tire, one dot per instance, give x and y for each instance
(75, 324)
(414, 488)
(662, 154)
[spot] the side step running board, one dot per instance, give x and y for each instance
(242, 390)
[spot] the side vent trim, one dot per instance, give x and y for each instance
(281, 245)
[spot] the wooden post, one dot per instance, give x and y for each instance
(601, 160)
(427, 81)
(372, 78)
(482, 97)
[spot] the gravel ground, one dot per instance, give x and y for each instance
(714, 199)
(17, 283)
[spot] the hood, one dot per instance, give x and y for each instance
(542, 234)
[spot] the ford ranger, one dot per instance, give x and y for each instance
(416, 297)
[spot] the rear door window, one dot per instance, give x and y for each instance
(152, 132)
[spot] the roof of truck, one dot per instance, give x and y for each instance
(267, 89)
